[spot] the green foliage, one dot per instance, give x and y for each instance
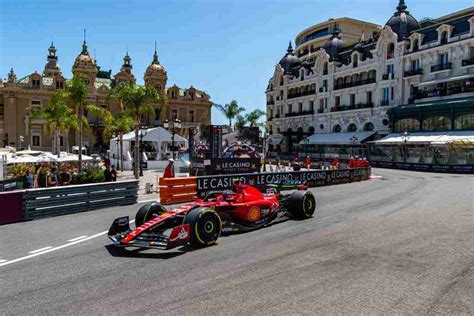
(253, 117)
(240, 122)
(18, 170)
(230, 110)
(92, 174)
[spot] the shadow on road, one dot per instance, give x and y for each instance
(138, 252)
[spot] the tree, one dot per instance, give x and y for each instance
(253, 117)
(77, 94)
(240, 122)
(119, 124)
(230, 110)
(58, 116)
(138, 101)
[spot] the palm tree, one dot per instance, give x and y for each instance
(230, 110)
(70, 123)
(119, 124)
(253, 117)
(57, 116)
(240, 122)
(138, 101)
(77, 90)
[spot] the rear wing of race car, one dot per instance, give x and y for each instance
(120, 225)
(288, 185)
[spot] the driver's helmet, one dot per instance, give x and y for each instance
(236, 184)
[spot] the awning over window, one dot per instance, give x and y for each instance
(432, 138)
(337, 138)
(275, 140)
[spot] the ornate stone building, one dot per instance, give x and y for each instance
(18, 96)
(345, 75)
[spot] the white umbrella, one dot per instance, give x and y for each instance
(21, 159)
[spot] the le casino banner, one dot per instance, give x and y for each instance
(261, 180)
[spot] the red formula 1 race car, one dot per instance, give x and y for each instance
(200, 223)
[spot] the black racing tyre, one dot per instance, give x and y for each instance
(206, 226)
(147, 212)
(302, 204)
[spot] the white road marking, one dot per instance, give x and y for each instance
(50, 249)
(148, 201)
(1, 261)
(375, 177)
(41, 249)
(77, 238)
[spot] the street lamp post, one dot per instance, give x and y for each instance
(405, 137)
(354, 140)
(172, 126)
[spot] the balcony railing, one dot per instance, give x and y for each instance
(310, 112)
(468, 62)
(384, 103)
(354, 84)
(414, 72)
(441, 67)
(277, 116)
(301, 94)
(357, 106)
(270, 102)
(442, 92)
(387, 76)
(323, 89)
(270, 119)
(320, 110)
(325, 72)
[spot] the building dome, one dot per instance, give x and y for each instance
(290, 63)
(84, 60)
(52, 67)
(335, 44)
(402, 22)
(155, 68)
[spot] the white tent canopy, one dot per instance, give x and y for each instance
(428, 138)
(337, 138)
(157, 134)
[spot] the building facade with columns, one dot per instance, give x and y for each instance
(19, 95)
(344, 78)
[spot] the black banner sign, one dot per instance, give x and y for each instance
(260, 180)
(8, 185)
(462, 169)
(225, 166)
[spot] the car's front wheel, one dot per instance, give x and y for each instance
(205, 226)
(148, 212)
(302, 204)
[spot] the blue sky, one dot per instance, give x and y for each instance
(227, 48)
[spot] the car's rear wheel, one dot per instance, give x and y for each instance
(205, 226)
(147, 212)
(302, 204)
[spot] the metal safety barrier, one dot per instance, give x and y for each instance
(46, 202)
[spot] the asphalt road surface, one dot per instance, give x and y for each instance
(400, 244)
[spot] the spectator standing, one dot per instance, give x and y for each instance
(28, 180)
(169, 170)
(335, 163)
(114, 173)
(64, 176)
(107, 174)
(307, 162)
(278, 165)
(41, 176)
(53, 178)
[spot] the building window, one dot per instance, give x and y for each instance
(392, 93)
(290, 108)
(352, 128)
(281, 94)
(191, 115)
(36, 83)
(173, 95)
(36, 138)
(352, 99)
(369, 97)
(337, 101)
(444, 59)
(321, 105)
(174, 114)
(355, 60)
(157, 114)
(2, 110)
(59, 85)
(386, 94)
(311, 106)
(390, 69)
(337, 129)
(281, 81)
(325, 69)
(444, 38)
(464, 122)
(408, 125)
(436, 123)
(415, 64)
(35, 103)
(300, 107)
(416, 45)
(369, 127)
(390, 50)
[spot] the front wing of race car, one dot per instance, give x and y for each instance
(148, 235)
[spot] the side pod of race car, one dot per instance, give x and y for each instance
(200, 223)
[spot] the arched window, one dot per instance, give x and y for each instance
(436, 123)
(302, 74)
(390, 50)
(369, 126)
(281, 80)
(352, 128)
(325, 68)
(311, 130)
(408, 125)
(355, 60)
(464, 122)
(416, 45)
(444, 38)
(337, 129)
(157, 114)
